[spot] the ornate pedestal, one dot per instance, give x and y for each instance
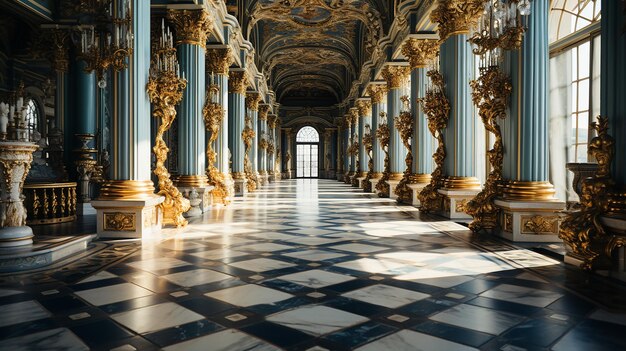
(205, 196)
(416, 189)
(375, 179)
(239, 183)
(530, 221)
(340, 176)
(361, 180)
(393, 182)
(15, 159)
(454, 202)
(581, 172)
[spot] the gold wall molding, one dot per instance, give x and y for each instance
(436, 107)
(127, 190)
(540, 224)
(237, 82)
(456, 16)
(395, 76)
(377, 92)
(192, 26)
(252, 101)
(218, 60)
(420, 52)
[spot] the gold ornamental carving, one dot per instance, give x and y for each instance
(364, 107)
(218, 60)
(404, 124)
(264, 111)
(508, 222)
(377, 92)
(490, 93)
(436, 107)
(540, 224)
(248, 135)
(192, 26)
(588, 238)
(456, 16)
(119, 222)
(368, 142)
(395, 76)
(383, 135)
(213, 115)
(165, 91)
(252, 101)
(420, 52)
(237, 82)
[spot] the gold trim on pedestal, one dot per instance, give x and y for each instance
(192, 181)
(127, 190)
(461, 183)
(528, 191)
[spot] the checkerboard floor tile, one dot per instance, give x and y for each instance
(313, 265)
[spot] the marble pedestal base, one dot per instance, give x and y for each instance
(361, 179)
(393, 184)
(240, 188)
(271, 178)
(84, 209)
(45, 251)
(416, 189)
(205, 195)
(16, 236)
(340, 176)
(530, 221)
(375, 181)
(330, 174)
(264, 179)
(129, 218)
(454, 202)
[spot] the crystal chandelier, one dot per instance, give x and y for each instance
(106, 39)
(500, 28)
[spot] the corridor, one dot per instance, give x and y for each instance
(311, 265)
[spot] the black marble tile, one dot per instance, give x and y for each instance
(571, 304)
(97, 284)
(592, 335)
(286, 286)
(361, 334)
(426, 307)
(505, 306)
(351, 285)
(63, 304)
(277, 334)
(183, 332)
(267, 309)
(476, 286)
(423, 288)
(206, 306)
(219, 285)
(25, 328)
(100, 332)
(456, 334)
(128, 305)
(356, 307)
(541, 332)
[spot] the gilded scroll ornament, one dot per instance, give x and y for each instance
(404, 124)
(119, 222)
(248, 135)
(377, 92)
(218, 60)
(583, 230)
(213, 115)
(192, 26)
(369, 143)
(436, 107)
(395, 76)
(490, 94)
(383, 135)
(165, 90)
(420, 52)
(237, 82)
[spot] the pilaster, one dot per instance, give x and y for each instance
(237, 84)
(364, 108)
(378, 94)
(262, 136)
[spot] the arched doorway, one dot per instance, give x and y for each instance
(307, 153)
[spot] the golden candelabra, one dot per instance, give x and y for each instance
(165, 90)
(213, 115)
(490, 94)
(248, 135)
(368, 142)
(584, 231)
(404, 124)
(383, 135)
(436, 107)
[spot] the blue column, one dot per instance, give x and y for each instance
(377, 93)
(262, 132)
(422, 139)
(457, 67)
(62, 111)
(85, 84)
(395, 77)
(237, 84)
(347, 131)
(365, 119)
(354, 136)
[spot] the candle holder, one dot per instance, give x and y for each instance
(165, 89)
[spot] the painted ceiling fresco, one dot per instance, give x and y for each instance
(311, 50)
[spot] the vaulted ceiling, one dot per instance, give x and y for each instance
(312, 50)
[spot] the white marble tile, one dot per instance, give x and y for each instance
(313, 231)
(98, 276)
(228, 240)
(265, 247)
(196, 277)
(59, 339)
(20, 312)
(113, 293)
(359, 248)
(180, 245)
(9, 292)
(261, 264)
(249, 295)
(371, 265)
(442, 279)
(523, 295)
(225, 340)
(316, 320)
(314, 255)
(219, 254)
(312, 241)
(385, 295)
(408, 340)
(157, 264)
(273, 236)
(316, 278)
(156, 317)
(478, 318)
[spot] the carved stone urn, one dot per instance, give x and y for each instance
(15, 160)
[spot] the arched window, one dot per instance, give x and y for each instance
(570, 16)
(32, 115)
(307, 135)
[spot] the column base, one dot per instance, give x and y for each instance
(262, 178)
(16, 236)
(330, 174)
(239, 184)
(85, 209)
(416, 189)
(393, 184)
(135, 218)
(530, 221)
(206, 199)
(360, 181)
(374, 180)
(271, 178)
(340, 176)
(454, 201)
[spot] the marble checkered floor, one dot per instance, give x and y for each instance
(314, 265)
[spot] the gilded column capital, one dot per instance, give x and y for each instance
(364, 107)
(252, 101)
(264, 110)
(420, 52)
(237, 82)
(60, 56)
(395, 75)
(354, 115)
(377, 92)
(192, 26)
(218, 60)
(456, 16)
(271, 121)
